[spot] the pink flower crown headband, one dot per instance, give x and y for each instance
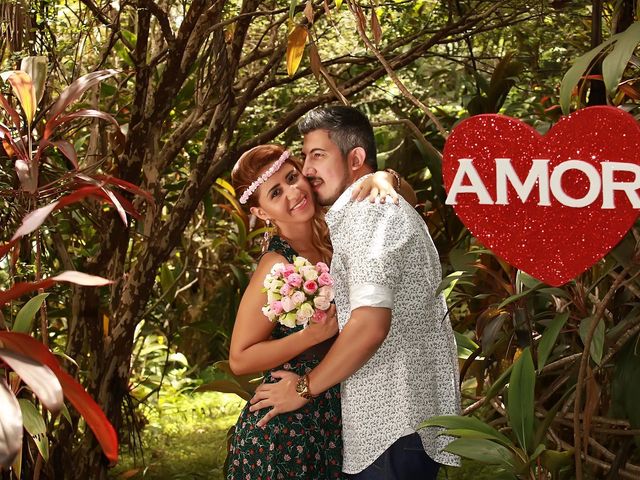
(265, 176)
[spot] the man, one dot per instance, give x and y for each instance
(396, 354)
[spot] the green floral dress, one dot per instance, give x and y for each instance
(306, 443)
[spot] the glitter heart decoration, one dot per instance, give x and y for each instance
(551, 205)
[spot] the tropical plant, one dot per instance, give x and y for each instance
(30, 142)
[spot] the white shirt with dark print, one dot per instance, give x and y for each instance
(384, 257)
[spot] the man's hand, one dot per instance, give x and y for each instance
(281, 396)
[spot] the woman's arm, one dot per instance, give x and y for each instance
(381, 184)
(251, 348)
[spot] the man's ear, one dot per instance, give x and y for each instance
(260, 213)
(357, 158)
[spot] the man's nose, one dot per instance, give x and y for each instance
(308, 170)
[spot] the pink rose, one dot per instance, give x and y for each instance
(322, 267)
(285, 290)
(325, 280)
(294, 280)
(276, 307)
(288, 270)
(319, 316)
(310, 287)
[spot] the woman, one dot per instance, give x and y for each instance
(305, 443)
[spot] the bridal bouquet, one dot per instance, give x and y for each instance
(298, 292)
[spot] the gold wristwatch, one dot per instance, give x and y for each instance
(302, 387)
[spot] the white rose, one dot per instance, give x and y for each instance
(268, 313)
(309, 273)
(326, 292)
(321, 302)
(298, 297)
(288, 304)
(273, 296)
(288, 320)
(300, 262)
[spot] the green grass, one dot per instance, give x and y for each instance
(186, 439)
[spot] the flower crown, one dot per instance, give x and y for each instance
(265, 176)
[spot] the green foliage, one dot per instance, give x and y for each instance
(185, 437)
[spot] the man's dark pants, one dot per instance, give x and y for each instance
(405, 459)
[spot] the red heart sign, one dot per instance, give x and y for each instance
(550, 205)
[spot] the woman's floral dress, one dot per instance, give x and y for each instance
(306, 443)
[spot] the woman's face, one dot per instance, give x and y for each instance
(286, 197)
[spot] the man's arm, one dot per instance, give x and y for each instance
(357, 343)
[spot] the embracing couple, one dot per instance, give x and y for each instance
(342, 405)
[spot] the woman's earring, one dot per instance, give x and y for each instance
(266, 237)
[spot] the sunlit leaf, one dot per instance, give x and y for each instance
(24, 91)
(10, 425)
(36, 67)
(226, 185)
(34, 219)
(24, 319)
(80, 278)
(37, 376)
(295, 48)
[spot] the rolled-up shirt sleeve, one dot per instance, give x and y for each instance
(375, 258)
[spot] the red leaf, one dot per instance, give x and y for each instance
(68, 151)
(73, 391)
(79, 194)
(10, 425)
(23, 288)
(6, 247)
(15, 116)
(127, 186)
(74, 91)
(84, 113)
(40, 378)
(34, 219)
(71, 276)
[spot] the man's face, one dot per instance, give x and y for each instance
(324, 166)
